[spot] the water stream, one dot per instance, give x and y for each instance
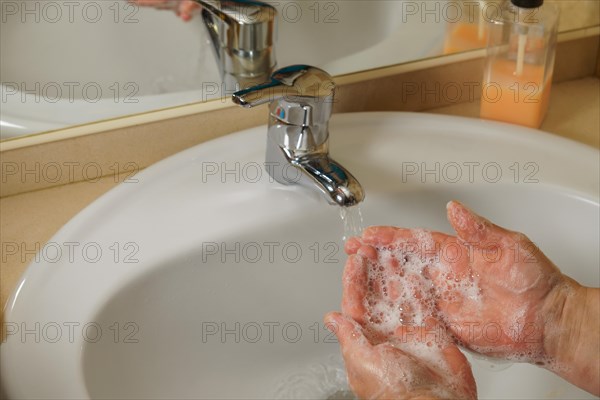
(319, 381)
(352, 219)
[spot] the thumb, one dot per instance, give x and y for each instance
(348, 332)
(469, 226)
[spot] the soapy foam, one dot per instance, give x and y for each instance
(401, 293)
(397, 382)
(427, 359)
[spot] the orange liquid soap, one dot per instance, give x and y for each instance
(464, 37)
(520, 99)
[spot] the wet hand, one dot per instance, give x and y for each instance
(184, 8)
(413, 363)
(494, 289)
(392, 347)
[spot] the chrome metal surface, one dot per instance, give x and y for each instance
(301, 99)
(243, 37)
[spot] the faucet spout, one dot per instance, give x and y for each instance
(331, 179)
(301, 100)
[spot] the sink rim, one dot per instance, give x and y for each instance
(72, 375)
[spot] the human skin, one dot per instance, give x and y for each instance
(539, 315)
(408, 362)
(183, 8)
(411, 364)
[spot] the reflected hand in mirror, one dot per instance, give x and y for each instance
(184, 8)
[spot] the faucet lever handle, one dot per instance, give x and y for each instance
(294, 84)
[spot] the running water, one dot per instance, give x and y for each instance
(318, 381)
(353, 221)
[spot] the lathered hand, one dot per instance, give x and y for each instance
(413, 363)
(497, 293)
(392, 346)
(410, 364)
(183, 8)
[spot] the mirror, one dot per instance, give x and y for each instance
(66, 62)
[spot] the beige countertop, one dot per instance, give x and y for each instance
(574, 111)
(29, 220)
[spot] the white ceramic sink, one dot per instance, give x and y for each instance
(185, 319)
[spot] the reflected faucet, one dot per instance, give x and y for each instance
(243, 36)
(301, 101)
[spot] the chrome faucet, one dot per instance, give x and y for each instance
(301, 100)
(243, 37)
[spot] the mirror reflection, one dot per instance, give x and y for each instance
(68, 62)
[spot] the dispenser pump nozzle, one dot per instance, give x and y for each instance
(528, 3)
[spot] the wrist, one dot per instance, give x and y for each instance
(562, 314)
(571, 336)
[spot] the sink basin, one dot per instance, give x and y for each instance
(203, 279)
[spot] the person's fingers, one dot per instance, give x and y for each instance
(405, 243)
(367, 252)
(186, 9)
(471, 227)
(355, 288)
(450, 275)
(379, 235)
(348, 332)
(461, 369)
(161, 4)
(433, 334)
(352, 245)
(183, 8)
(367, 366)
(396, 288)
(456, 360)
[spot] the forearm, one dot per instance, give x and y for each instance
(572, 338)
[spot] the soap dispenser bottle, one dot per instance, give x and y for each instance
(520, 62)
(469, 30)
